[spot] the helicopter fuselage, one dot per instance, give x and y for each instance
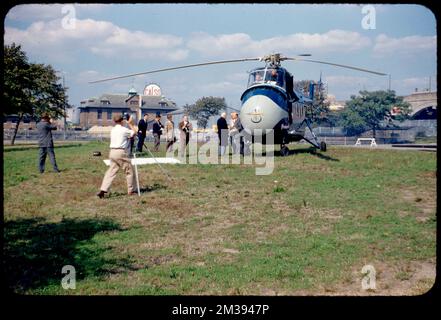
(270, 102)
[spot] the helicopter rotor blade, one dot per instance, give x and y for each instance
(338, 65)
(175, 68)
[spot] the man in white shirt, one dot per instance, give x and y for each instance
(119, 140)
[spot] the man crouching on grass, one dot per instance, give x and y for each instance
(119, 158)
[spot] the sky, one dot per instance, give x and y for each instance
(87, 42)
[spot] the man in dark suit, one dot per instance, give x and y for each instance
(222, 133)
(142, 129)
(45, 142)
(157, 131)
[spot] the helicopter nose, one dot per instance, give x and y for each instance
(260, 112)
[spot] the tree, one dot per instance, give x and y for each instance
(368, 110)
(320, 104)
(30, 88)
(333, 118)
(204, 108)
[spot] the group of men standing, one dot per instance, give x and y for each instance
(122, 140)
(230, 134)
(158, 129)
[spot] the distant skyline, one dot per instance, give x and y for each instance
(115, 39)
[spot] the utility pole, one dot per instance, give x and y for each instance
(64, 109)
(64, 104)
(389, 81)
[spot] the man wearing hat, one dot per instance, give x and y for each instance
(119, 158)
(45, 142)
(157, 131)
(142, 130)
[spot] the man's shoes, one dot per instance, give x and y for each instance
(101, 194)
(57, 171)
(132, 193)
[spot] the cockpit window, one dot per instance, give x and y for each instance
(275, 77)
(256, 77)
(270, 76)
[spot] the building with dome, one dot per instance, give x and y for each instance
(99, 111)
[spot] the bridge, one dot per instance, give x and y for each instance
(423, 104)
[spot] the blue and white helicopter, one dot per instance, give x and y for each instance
(271, 103)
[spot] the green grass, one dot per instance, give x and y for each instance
(217, 229)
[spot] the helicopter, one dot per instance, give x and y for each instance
(270, 102)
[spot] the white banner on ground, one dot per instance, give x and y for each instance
(141, 161)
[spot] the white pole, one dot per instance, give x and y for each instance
(136, 175)
(139, 107)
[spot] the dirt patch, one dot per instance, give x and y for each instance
(196, 240)
(233, 251)
(355, 236)
(319, 221)
(405, 279)
(268, 292)
(429, 174)
(401, 279)
(423, 199)
(158, 260)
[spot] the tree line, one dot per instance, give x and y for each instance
(366, 111)
(30, 89)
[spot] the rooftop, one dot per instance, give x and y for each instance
(109, 100)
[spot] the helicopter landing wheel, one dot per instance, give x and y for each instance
(284, 151)
(323, 146)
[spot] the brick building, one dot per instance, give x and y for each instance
(99, 111)
(10, 121)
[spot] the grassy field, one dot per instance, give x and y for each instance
(306, 229)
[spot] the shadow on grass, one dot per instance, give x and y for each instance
(154, 187)
(30, 147)
(35, 252)
(311, 150)
(142, 190)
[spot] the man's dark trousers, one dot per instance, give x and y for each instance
(42, 158)
(141, 138)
